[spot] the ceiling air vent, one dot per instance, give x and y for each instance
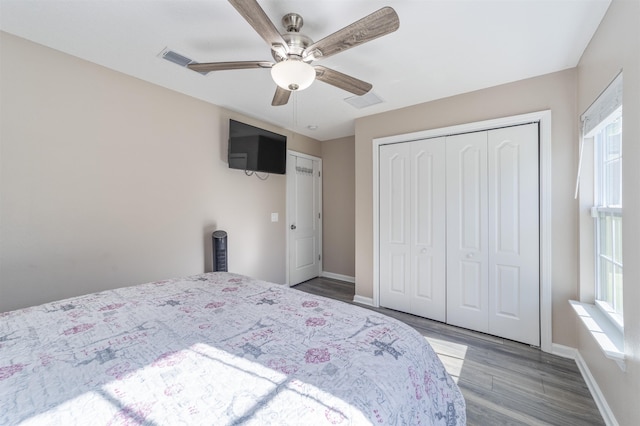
(366, 100)
(176, 58)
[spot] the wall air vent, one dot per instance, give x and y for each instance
(176, 58)
(366, 100)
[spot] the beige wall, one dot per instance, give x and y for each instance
(338, 206)
(615, 47)
(555, 92)
(107, 181)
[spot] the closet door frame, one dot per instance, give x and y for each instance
(544, 120)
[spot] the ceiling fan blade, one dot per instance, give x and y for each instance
(377, 24)
(221, 66)
(281, 97)
(342, 81)
(258, 19)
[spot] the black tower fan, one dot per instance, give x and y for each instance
(219, 242)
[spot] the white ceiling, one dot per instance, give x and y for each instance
(443, 48)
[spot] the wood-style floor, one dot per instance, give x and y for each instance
(503, 382)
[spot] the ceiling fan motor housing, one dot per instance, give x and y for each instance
(292, 22)
(296, 41)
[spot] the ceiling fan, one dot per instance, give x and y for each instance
(294, 52)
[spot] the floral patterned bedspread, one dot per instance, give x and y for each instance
(217, 349)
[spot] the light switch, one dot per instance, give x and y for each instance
(274, 217)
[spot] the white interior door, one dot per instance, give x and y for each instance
(467, 226)
(412, 228)
(492, 232)
(514, 291)
(304, 227)
(395, 221)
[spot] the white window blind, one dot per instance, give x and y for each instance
(609, 101)
(598, 112)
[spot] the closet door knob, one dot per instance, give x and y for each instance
(293, 227)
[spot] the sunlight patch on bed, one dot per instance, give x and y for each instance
(230, 386)
(225, 383)
(67, 412)
(451, 354)
(274, 392)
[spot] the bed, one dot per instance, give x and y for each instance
(218, 348)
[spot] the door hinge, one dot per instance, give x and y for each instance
(319, 174)
(318, 215)
(319, 257)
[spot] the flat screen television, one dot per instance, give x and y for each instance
(257, 150)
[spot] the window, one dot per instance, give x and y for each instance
(599, 187)
(607, 213)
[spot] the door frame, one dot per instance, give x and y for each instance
(544, 120)
(288, 219)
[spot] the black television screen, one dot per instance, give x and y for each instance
(255, 149)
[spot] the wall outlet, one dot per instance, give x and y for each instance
(274, 217)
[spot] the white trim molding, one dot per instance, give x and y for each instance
(609, 338)
(598, 397)
(594, 389)
(544, 120)
(363, 300)
(338, 277)
(564, 351)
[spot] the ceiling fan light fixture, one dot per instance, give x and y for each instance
(293, 74)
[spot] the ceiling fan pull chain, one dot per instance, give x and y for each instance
(295, 110)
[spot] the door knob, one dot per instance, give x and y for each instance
(293, 227)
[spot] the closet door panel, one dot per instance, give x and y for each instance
(397, 273)
(513, 233)
(395, 226)
(467, 252)
(412, 228)
(471, 285)
(428, 245)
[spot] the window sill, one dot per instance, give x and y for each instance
(606, 334)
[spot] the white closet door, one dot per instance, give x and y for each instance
(428, 230)
(395, 223)
(467, 224)
(412, 228)
(513, 233)
(459, 230)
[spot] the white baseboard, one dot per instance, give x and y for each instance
(340, 277)
(596, 393)
(598, 397)
(363, 300)
(564, 351)
(357, 299)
